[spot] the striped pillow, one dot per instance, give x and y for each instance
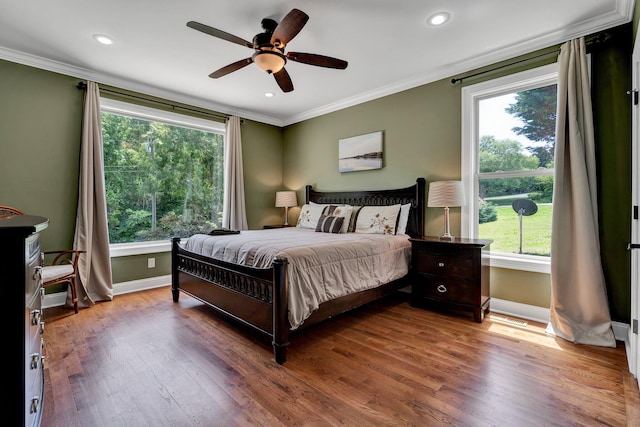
(329, 224)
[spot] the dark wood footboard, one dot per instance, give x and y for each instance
(255, 297)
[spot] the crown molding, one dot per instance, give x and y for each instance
(623, 14)
(101, 78)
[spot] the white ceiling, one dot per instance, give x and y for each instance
(388, 45)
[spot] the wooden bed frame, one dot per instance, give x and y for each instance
(258, 297)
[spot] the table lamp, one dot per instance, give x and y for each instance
(286, 200)
(445, 194)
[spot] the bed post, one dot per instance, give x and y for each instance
(280, 308)
(174, 268)
(420, 202)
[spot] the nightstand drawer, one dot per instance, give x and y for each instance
(441, 288)
(442, 263)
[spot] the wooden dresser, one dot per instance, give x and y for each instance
(451, 274)
(20, 292)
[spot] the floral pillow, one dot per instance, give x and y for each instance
(309, 215)
(377, 219)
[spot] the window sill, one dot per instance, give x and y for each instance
(536, 264)
(139, 248)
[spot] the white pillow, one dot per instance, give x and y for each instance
(309, 215)
(404, 218)
(377, 219)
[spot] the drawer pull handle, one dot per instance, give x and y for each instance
(441, 264)
(37, 273)
(41, 328)
(35, 359)
(442, 289)
(35, 317)
(35, 403)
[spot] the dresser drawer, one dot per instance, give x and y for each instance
(441, 288)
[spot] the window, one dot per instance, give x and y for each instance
(163, 174)
(507, 165)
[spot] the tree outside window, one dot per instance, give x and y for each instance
(514, 169)
(508, 127)
(162, 179)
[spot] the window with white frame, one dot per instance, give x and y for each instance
(163, 175)
(508, 141)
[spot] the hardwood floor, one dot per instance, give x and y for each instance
(142, 360)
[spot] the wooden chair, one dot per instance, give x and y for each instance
(6, 211)
(63, 269)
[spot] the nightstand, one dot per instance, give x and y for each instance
(276, 226)
(452, 274)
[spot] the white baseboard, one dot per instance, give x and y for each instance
(522, 311)
(59, 298)
(541, 314)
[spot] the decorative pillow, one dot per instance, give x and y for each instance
(330, 224)
(352, 221)
(339, 210)
(377, 219)
(309, 215)
(404, 218)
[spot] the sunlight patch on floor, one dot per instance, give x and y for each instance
(520, 329)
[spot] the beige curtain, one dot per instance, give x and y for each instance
(92, 233)
(234, 214)
(579, 306)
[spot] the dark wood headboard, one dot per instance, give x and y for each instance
(414, 195)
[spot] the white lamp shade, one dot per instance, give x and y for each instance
(444, 194)
(286, 199)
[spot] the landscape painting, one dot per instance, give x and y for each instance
(362, 152)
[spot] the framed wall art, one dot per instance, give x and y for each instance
(362, 152)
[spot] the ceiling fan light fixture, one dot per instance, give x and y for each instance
(269, 61)
(438, 18)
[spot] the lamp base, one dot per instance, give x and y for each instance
(446, 236)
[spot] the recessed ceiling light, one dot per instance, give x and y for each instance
(101, 38)
(269, 94)
(438, 18)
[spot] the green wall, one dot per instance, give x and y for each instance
(40, 132)
(422, 137)
(40, 126)
(41, 115)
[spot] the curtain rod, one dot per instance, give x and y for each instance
(597, 39)
(459, 79)
(83, 86)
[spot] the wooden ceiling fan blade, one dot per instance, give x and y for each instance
(289, 27)
(318, 60)
(219, 34)
(283, 80)
(231, 68)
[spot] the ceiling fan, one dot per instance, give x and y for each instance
(269, 48)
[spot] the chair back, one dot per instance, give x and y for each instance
(6, 211)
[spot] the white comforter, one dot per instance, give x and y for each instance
(322, 266)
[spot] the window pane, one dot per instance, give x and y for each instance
(507, 203)
(161, 180)
(517, 130)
